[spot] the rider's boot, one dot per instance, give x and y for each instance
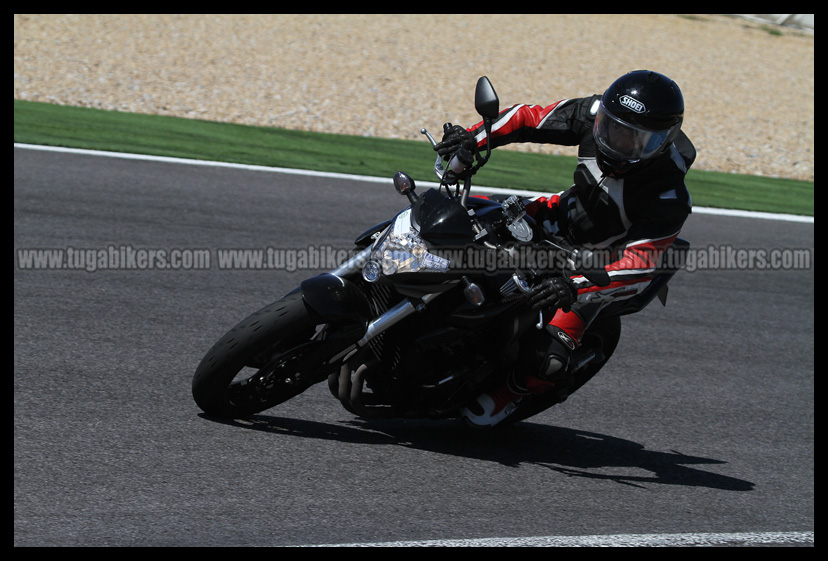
(489, 409)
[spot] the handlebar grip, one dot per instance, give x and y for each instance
(461, 160)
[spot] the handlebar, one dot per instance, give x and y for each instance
(459, 166)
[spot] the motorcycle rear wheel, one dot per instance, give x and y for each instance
(252, 368)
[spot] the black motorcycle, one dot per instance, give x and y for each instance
(430, 311)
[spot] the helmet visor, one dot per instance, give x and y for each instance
(625, 141)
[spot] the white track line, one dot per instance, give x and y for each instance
(618, 540)
(493, 190)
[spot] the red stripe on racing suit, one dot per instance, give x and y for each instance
(630, 274)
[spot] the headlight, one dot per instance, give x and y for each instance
(372, 271)
(402, 253)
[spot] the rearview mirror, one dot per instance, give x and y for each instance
(485, 99)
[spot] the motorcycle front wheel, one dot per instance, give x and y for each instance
(263, 361)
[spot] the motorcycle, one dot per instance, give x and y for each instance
(404, 329)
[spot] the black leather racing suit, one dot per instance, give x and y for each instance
(634, 218)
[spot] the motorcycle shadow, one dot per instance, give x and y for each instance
(571, 452)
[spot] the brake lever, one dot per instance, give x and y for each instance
(430, 138)
(438, 164)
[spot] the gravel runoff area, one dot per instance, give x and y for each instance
(748, 87)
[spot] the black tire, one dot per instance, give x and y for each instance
(602, 335)
(264, 345)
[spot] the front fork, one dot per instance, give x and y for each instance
(336, 299)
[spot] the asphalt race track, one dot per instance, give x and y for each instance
(701, 425)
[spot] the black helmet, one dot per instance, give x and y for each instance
(639, 117)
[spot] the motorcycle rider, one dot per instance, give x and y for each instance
(628, 197)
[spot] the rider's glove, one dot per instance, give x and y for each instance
(553, 292)
(453, 139)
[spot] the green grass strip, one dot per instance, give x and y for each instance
(97, 129)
